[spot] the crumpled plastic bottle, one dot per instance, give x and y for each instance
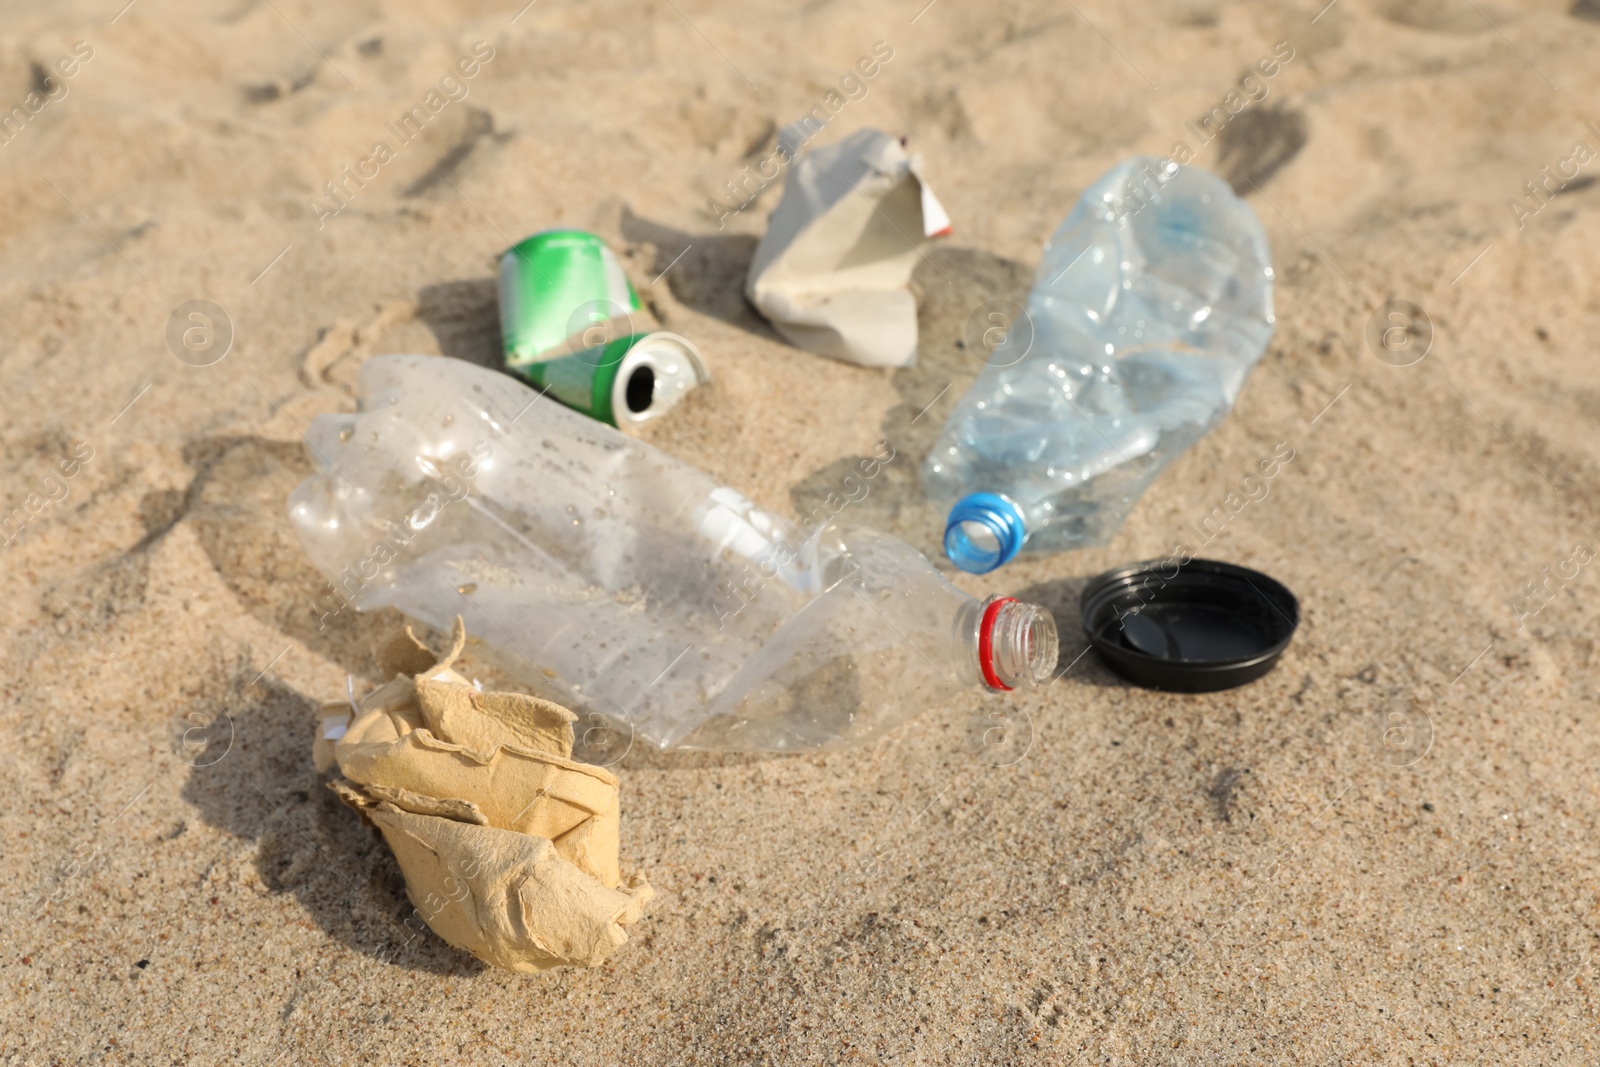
(613, 578)
(1152, 303)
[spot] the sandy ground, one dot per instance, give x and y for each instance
(1385, 851)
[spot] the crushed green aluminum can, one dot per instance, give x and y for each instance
(567, 318)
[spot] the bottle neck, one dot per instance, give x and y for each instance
(1009, 644)
(983, 531)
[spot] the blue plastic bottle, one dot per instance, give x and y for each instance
(1152, 303)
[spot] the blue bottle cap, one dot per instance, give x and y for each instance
(983, 532)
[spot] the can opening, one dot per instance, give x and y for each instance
(654, 372)
(641, 389)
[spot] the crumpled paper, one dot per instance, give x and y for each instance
(832, 273)
(507, 844)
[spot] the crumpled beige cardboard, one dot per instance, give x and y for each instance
(508, 845)
(833, 271)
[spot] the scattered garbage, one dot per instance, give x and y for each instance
(614, 578)
(832, 272)
(508, 845)
(1152, 303)
(572, 325)
(1189, 625)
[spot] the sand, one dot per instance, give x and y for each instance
(1256, 876)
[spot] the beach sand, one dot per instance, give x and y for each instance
(1384, 851)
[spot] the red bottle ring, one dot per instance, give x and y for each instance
(986, 643)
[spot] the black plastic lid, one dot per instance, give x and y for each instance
(1194, 627)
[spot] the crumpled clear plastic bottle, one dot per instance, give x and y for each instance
(607, 575)
(1152, 303)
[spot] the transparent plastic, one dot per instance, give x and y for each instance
(1152, 303)
(605, 574)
